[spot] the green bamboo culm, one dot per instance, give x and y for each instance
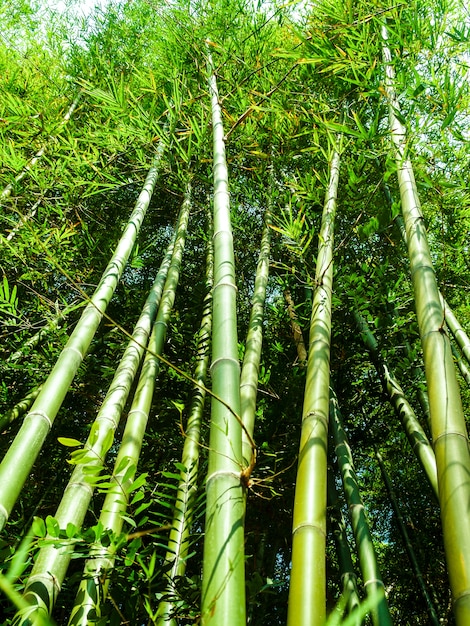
(51, 564)
(178, 541)
(254, 341)
(413, 429)
(223, 577)
(367, 557)
(350, 593)
(307, 589)
(19, 459)
(449, 432)
(92, 592)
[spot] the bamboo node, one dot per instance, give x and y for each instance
(223, 358)
(374, 581)
(314, 527)
(450, 432)
(223, 473)
(42, 415)
(224, 283)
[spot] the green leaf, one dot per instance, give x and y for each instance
(69, 442)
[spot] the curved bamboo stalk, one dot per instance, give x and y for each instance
(176, 556)
(449, 430)
(413, 430)
(6, 193)
(406, 541)
(21, 455)
(254, 341)
(223, 579)
(92, 592)
(51, 564)
(367, 558)
(348, 575)
(307, 589)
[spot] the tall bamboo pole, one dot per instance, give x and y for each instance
(348, 575)
(367, 558)
(21, 455)
(176, 556)
(254, 341)
(223, 579)
(449, 430)
(307, 589)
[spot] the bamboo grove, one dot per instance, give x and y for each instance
(235, 313)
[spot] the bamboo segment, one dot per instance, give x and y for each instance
(449, 431)
(307, 590)
(52, 563)
(92, 592)
(406, 540)
(367, 558)
(348, 576)
(254, 341)
(176, 556)
(21, 455)
(413, 430)
(223, 580)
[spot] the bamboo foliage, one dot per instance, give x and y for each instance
(6, 193)
(21, 455)
(367, 557)
(223, 585)
(308, 575)
(449, 431)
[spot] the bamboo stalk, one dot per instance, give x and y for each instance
(223, 579)
(307, 589)
(449, 430)
(365, 547)
(21, 455)
(348, 575)
(254, 341)
(176, 556)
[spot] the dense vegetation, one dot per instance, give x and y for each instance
(315, 117)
